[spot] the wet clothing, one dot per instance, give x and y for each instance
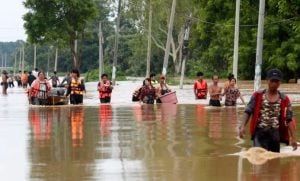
(75, 90)
(163, 89)
(216, 103)
(105, 91)
(201, 89)
(268, 138)
(147, 94)
(265, 122)
(231, 95)
(39, 92)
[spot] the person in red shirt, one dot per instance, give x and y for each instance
(105, 88)
(200, 87)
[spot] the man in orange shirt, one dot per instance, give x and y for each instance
(200, 87)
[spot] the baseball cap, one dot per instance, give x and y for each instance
(274, 74)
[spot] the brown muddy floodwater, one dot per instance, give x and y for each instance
(127, 142)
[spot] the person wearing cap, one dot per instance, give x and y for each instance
(200, 87)
(272, 117)
(162, 88)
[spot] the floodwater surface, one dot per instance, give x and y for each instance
(127, 142)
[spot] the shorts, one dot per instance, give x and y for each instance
(105, 100)
(216, 103)
(76, 99)
(267, 138)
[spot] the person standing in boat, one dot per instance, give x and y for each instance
(162, 88)
(200, 87)
(39, 90)
(76, 88)
(215, 92)
(148, 93)
(105, 89)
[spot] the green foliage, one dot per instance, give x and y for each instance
(53, 23)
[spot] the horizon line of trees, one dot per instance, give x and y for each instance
(211, 36)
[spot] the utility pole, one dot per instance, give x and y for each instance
(259, 47)
(185, 48)
(15, 64)
(23, 58)
(34, 56)
(2, 60)
(236, 39)
(5, 60)
(149, 39)
(114, 68)
(56, 57)
(170, 30)
(101, 64)
(20, 60)
(75, 49)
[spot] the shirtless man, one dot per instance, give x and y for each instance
(215, 92)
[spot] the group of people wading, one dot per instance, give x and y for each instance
(40, 89)
(231, 93)
(151, 90)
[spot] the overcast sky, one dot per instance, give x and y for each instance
(11, 22)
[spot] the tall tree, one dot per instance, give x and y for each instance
(53, 20)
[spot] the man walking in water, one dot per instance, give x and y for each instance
(272, 116)
(215, 92)
(200, 87)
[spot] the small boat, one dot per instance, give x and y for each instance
(170, 98)
(57, 97)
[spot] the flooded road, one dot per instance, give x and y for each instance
(125, 141)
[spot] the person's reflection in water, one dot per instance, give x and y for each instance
(137, 112)
(148, 112)
(105, 118)
(201, 115)
(215, 125)
(77, 119)
(40, 121)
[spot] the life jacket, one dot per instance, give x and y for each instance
(201, 88)
(104, 91)
(40, 89)
(283, 127)
(76, 87)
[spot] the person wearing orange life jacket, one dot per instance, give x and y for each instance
(200, 87)
(105, 88)
(39, 91)
(76, 88)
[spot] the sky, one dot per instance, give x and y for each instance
(11, 22)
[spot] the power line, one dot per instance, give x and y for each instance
(245, 25)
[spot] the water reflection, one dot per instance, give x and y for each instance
(77, 120)
(105, 118)
(151, 142)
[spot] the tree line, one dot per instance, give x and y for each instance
(51, 24)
